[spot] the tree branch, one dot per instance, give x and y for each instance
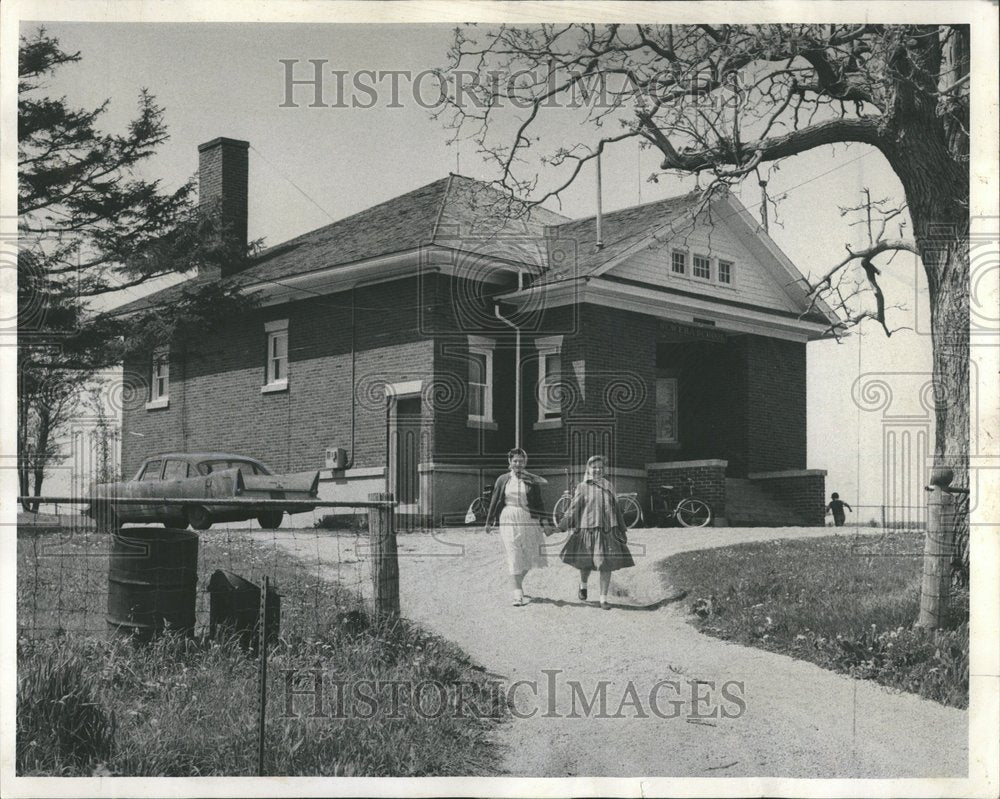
(834, 131)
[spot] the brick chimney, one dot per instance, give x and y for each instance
(223, 173)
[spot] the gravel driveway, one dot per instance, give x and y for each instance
(697, 706)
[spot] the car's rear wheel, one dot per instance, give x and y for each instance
(270, 519)
(199, 518)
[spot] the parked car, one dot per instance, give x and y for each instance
(197, 475)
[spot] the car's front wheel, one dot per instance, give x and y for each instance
(270, 519)
(199, 517)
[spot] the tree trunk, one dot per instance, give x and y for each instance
(42, 446)
(23, 482)
(937, 195)
(946, 261)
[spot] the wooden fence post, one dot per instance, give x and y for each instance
(385, 564)
(938, 546)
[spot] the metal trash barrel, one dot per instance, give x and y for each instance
(234, 609)
(152, 582)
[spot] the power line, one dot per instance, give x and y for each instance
(293, 183)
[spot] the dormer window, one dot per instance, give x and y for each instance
(701, 267)
(678, 262)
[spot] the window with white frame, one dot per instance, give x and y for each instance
(159, 391)
(277, 353)
(725, 271)
(481, 379)
(549, 377)
(666, 410)
(678, 262)
(701, 266)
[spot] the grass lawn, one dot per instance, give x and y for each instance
(845, 604)
(89, 703)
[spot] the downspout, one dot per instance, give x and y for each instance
(388, 407)
(599, 241)
(517, 365)
(354, 330)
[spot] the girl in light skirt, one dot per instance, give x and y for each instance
(598, 542)
(516, 506)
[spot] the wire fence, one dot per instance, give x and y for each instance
(64, 562)
(315, 560)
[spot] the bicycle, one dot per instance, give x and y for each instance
(628, 503)
(479, 507)
(688, 512)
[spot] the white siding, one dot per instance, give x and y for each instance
(751, 281)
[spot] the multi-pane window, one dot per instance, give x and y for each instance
(160, 383)
(480, 379)
(701, 267)
(725, 271)
(549, 377)
(678, 262)
(666, 410)
(549, 369)
(277, 352)
(478, 383)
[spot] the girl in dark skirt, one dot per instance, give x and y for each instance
(598, 542)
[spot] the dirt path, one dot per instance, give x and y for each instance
(799, 720)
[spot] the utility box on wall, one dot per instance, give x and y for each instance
(336, 458)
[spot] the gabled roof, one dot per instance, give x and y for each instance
(466, 215)
(621, 231)
(455, 212)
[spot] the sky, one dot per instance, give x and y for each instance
(309, 166)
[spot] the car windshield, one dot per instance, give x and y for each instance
(220, 464)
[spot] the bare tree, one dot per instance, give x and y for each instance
(721, 102)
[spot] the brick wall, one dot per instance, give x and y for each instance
(712, 396)
(709, 478)
(802, 491)
(461, 309)
(613, 412)
(776, 404)
(742, 401)
(215, 382)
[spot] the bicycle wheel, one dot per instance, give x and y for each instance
(631, 511)
(562, 505)
(693, 512)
